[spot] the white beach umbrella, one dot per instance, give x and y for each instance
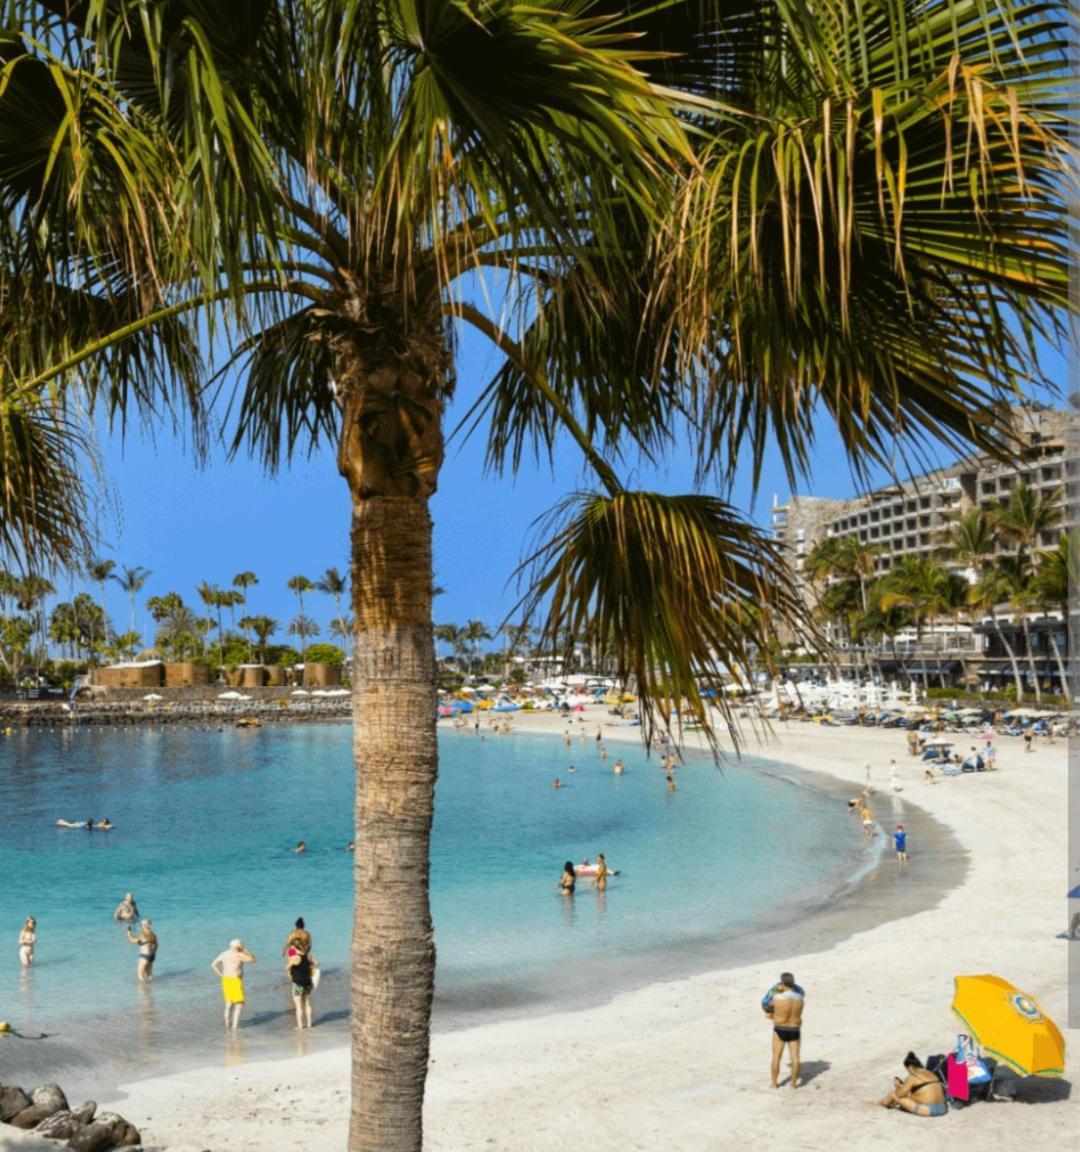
(299, 692)
(153, 696)
(231, 696)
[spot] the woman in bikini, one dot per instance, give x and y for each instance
(27, 940)
(921, 1094)
(147, 942)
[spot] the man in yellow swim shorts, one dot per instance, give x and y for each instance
(230, 967)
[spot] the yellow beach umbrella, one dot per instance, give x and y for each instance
(1009, 1025)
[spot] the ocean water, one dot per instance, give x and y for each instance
(205, 825)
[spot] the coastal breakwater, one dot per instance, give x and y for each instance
(204, 704)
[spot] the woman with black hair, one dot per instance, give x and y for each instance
(921, 1093)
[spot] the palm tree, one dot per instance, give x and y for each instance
(343, 628)
(927, 589)
(298, 585)
(1022, 520)
(473, 633)
(304, 628)
(31, 593)
(100, 571)
(972, 541)
(243, 581)
(839, 237)
(1056, 573)
(846, 566)
(263, 627)
(132, 580)
(335, 585)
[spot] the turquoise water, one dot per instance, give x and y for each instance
(205, 823)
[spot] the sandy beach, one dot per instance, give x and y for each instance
(684, 1064)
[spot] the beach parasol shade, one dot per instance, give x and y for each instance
(1009, 1025)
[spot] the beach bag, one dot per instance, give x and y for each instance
(956, 1078)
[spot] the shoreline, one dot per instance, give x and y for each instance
(681, 1044)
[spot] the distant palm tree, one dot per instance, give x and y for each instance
(341, 628)
(303, 628)
(243, 581)
(263, 627)
(132, 581)
(1022, 520)
(453, 636)
(31, 593)
(334, 584)
(213, 597)
(926, 588)
(1055, 575)
(972, 541)
(100, 571)
(298, 585)
(474, 632)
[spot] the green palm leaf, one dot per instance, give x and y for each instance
(681, 590)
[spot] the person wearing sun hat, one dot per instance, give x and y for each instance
(230, 967)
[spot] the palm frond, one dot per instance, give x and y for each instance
(43, 499)
(877, 233)
(681, 590)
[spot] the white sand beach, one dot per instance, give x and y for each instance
(684, 1064)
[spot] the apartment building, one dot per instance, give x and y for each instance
(912, 518)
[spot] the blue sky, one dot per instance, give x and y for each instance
(188, 524)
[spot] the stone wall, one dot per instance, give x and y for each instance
(182, 706)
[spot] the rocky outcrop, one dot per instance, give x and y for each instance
(12, 1102)
(46, 1111)
(108, 1131)
(45, 1101)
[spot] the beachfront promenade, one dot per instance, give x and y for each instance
(684, 1064)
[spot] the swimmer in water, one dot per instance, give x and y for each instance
(105, 825)
(350, 847)
(557, 783)
(300, 848)
(568, 879)
(671, 785)
(127, 909)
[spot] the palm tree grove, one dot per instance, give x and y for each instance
(712, 234)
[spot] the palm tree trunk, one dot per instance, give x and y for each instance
(1031, 660)
(1063, 675)
(390, 452)
(394, 701)
(1017, 678)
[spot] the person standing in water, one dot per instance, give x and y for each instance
(127, 909)
(568, 879)
(601, 873)
(230, 967)
(300, 968)
(27, 940)
(148, 945)
(783, 1004)
(900, 842)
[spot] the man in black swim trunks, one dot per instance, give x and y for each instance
(783, 1004)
